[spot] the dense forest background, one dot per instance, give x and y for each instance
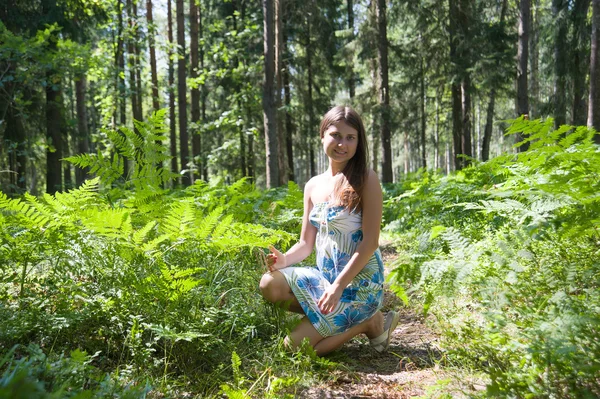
(245, 84)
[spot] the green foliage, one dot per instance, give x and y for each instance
(140, 146)
(506, 255)
(161, 287)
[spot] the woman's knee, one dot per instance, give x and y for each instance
(268, 287)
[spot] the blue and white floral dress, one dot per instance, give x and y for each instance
(338, 236)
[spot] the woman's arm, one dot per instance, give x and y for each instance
(372, 208)
(304, 247)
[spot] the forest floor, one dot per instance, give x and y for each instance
(409, 369)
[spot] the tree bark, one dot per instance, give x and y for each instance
(139, 112)
(15, 139)
(268, 100)
(171, 88)
(423, 117)
(54, 127)
(594, 100)
(194, 64)
(82, 125)
(580, 61)
(534, 34)
(559, 11)
(351, 83)
(151, 42)
(289, 124)
(522, 59)
(184, 150)
(131, 63)
(279, 86)
(309, 102)
(384, 95)
(489, 122)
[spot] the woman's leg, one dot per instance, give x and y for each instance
(372, 327)
(275, 289)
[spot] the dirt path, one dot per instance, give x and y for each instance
(405, 371)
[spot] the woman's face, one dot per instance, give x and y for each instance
(340, 142)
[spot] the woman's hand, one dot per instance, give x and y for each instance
(330, 298)
(275, 260)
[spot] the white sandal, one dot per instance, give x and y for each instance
(381, 343)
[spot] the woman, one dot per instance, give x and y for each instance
(341, 297)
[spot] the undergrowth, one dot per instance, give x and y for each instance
(506, 256)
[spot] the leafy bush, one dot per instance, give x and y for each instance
(506, 254)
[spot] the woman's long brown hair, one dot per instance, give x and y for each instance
(348, 189)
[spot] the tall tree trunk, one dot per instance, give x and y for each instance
(268, 101)
(580, 61)
(131, 63)
(534, 57)
(384, 95)
(237, 89)
(594, 100)
(82, 125)
(15, 138)
(309, 101)
(456, 90)
(436, 132)
(423, 116)
(151, 41)
(203, 150)
(54, 127)
(289, 124)
(559, 11)
(171, 88)
(522, 59)
(489, 122)
(351, 83)
(375, 119)
(184, 150)
(283, 176)
(139, 112)
(120, 59)
(194, 64)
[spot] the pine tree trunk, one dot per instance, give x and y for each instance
(203, 150)
(131, 64)
(423, 117)
(82, 125)
(559, 10)
(384, 95)
(351, 84)
(522, 59)
(195, 104)
(269, 111)
(54, 127)
(171, 88)
(489, 122)
(580, 61)
(15, 139)
(594, 100)
(283, 174)
(184, 150)
(455, 89)
(139, 112)
(309, 101)
(534, 56)
(151, 41)
(289, 124)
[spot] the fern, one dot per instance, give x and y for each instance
(140, 147)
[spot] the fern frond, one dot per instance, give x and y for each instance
(178, 219)
(208, 223)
